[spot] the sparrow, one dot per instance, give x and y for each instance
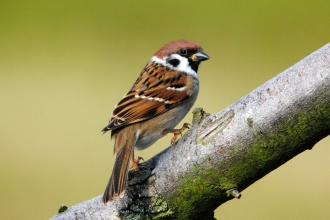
(159, 99)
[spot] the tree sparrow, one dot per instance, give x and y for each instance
(162, 95)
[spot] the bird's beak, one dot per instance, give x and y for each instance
(199, 56)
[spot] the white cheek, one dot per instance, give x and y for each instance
(184, 64)
(182, 67)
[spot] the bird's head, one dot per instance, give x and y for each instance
(181, 55)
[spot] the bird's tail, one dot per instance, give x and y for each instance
(124, 147)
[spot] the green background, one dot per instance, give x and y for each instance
(65, 64)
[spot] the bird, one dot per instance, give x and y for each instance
(159, 99)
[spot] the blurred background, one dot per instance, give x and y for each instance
(65, 64)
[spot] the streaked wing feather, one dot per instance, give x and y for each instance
(150, 96)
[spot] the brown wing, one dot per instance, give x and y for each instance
(157, 90)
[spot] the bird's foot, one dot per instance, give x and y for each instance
(135, 163)
(176, 132)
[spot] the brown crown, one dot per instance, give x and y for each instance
(176, 46)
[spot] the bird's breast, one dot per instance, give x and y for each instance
(151, 130)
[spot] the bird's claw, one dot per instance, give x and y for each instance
(176, 132)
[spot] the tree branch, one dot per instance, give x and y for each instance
(223, 154)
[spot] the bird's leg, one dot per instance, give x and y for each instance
(135, 163)
(176, 132)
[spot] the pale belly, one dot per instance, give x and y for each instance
(150, 134)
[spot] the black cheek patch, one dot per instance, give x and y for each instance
(174, 62)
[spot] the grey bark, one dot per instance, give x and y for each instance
(223, 154)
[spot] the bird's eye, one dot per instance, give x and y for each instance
(183, 51)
